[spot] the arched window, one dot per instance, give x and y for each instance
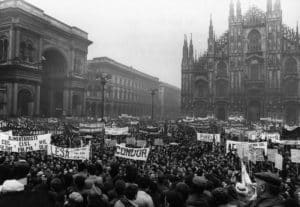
(27, 51)
(221, 89)
(291, 66)
(254, 71)
(3, 48)
(221, 69)
(201, 89)
(291, 88)
(254, 38)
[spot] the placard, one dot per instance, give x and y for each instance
(116, 131)
(204, 137)
(278, 161)
(132, 153)
(80, 153)
(295, 155)
(271, 154)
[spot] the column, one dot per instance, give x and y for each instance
(15, 98)
(65, 102)
(83, 109)
(11, 43)
(37, 99)
(17, 43)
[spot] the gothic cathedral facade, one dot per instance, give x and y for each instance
(252, 70)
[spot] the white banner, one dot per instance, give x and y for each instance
(204, 137)
(116, 131)
(272, 154)
(141, 143)
(91, 127)
(158, 142)
(130, 140)
(274, 137)
(24, 143)
(132, 153)
(289, 142)
(8, 133)
(290, 128)
(278, 161)
(246, 146)
(295, 155)
(80, 153)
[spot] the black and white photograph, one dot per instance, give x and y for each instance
(149, 103)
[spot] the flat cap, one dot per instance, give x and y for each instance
(269, 178)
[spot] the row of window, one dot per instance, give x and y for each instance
(138, 84)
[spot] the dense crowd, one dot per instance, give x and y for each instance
(188, 174)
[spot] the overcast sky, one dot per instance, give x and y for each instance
(148, 34)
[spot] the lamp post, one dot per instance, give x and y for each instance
(152, 92)
(104, 78)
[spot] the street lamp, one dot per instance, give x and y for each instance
(104, 78)
(152, 92)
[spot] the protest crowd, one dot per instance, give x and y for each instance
(128, 162)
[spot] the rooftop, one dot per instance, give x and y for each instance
(27, 7)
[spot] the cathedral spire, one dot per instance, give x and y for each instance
(238, 9)
(297, 36)
(277, 5)
(211, 28)
(191, 50)
(231, 10)
(184, 53)
(269, 6)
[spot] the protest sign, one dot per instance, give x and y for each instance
(80, 153)
(274, 137)
(260, 145)
(231, 145)
(132, 153)
(295, 155)
(158, 142)
(116, 131)
(271, 154)
(204, 137)
(91, 127)
(130, 140)
(24, 143)
(278, 161)
(141, 143)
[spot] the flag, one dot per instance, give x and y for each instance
(245, 176)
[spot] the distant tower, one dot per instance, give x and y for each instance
(211, 38)
(269, 6)
(238, 10)
(191, 53)
(231, 11)
(185, 55)
(277, 5)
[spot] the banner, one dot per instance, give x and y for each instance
(8, 133)
(110, 142)
(130, 140)
(141, 143)
(91, 127)
(290, 128)
(24, 143)
(271, 154)
(80, 153)
(231, 145)
(278, 161)
(289, 142)
(295, 155)
(274, 137)
(116, 131)
(245, 146)
(158, 142)
(204, 137)
(132, 153)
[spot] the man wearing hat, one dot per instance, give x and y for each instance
(268, 191)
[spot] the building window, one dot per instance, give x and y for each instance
(221, 69)
(3, 48)
(27, 51)
(291, 66)
(254, 38)
(254, 71)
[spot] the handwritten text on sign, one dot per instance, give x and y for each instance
(132, 153)
(80, 153)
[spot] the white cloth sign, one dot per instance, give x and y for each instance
(91, 127)
(132, 153)
(158, 142)
(295, 155)
(278, 161)
(274, 137)
(141, 143)
(204, 137)
(24, 143)
(231, 145)
(116, 131)
(271, 154)
(130, 140)
(80, 153)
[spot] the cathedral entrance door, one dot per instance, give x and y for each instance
(254, 111)
(221, 113)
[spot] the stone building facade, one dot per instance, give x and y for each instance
(127, 92)
(252, 70)
(169, 101)
(42, 63)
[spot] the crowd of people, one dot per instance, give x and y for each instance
(188, 174)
